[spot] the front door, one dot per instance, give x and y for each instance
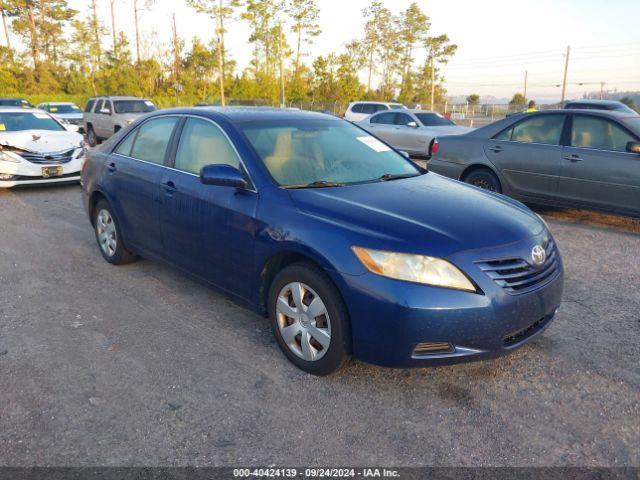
(597, 170)
(208, 230)
(132, 180)
(529, 154)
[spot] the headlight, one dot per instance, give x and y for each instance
(7, 157)
(414, 268)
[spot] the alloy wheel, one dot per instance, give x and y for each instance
(303, 321)
(106, 229)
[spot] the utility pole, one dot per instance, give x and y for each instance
(4, 23)
(564, 79)
(135, 17)
(113, 28)
(282, 99)
(433, 84)
(176, 59)
(602, 90)
(525, 86)
(220, 35)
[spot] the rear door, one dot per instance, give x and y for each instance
(383, 125)
(596, 168)
(207, 229)
(529, 154)
(132, 180)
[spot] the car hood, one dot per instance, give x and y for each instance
(73, 116)
(428, 214)
(448, 130)
(41, 141)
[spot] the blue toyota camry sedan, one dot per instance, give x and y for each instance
(346, 245)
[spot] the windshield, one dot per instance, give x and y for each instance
(64, 109)
(301, 152)
(134, 106)
(634, 124)
(433, 120)
(17, 121)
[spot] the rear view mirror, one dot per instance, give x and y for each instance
(223, 176)
(633, 147)
(412, 125)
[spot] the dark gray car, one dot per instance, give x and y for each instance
(578, 158)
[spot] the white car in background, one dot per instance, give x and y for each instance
(357, 111)
(36, 148)
(412, 131)
(68, 112)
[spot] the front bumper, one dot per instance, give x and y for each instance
(27, 173)
(389, 318)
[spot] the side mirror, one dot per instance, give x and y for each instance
(633, 147)
(412, 125)
(404, 154)
(223, 176)
(105, 111)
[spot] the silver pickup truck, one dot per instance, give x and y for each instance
(104, 116)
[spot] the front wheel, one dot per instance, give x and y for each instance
(309, 319)
(485, 179)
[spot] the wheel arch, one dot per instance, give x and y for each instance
(95, 197)
(479, 166)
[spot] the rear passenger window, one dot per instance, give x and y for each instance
(369, 108)
(387, 118)
(152, 139)
(89, 106)
(598, 133)
(357, 108)
(125, 147)
(545, 129)
(203, 143)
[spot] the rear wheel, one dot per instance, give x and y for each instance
(309, 319)
(108, 235)
(485, 179)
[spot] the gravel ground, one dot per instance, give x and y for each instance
(139, 365)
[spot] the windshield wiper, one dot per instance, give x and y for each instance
(391, 176)
(317, 184)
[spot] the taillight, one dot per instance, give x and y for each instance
(435, 146)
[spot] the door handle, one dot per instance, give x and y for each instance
(573, 157)
(169, 187)
(496, 149)
(112, 167)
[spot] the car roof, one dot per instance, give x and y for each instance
(13, 109)
(375, 102)
(248, 114)
(115, 97)
(590, 101)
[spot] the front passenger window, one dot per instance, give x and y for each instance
(203, 143)
(152, 139)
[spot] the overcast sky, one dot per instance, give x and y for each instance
(497, 39)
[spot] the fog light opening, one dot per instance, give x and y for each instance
(433, 348)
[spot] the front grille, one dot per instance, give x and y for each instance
(49, 159)
(516, 275)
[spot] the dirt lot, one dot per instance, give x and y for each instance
(139, 365)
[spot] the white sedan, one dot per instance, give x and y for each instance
(411, 131)
(36, 148)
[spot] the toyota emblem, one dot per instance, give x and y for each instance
(538, 255)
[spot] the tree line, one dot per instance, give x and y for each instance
(78, 53)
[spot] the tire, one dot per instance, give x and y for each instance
(301, 344)
(485, 179)
(108, 235)
(92, 139)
